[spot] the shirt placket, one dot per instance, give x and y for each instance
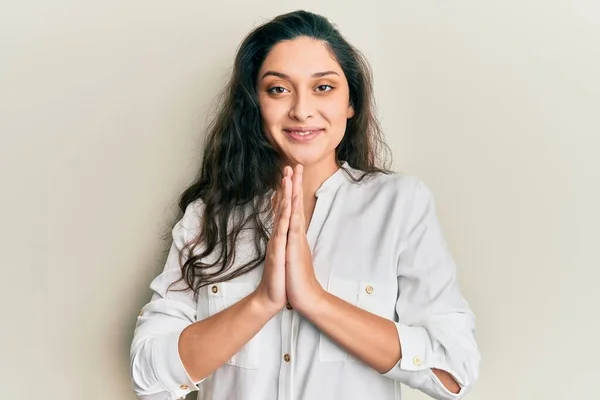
(287, 342)
(290, 320)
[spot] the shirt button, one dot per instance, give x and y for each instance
(417, 361)
(183, 387)
(369, 289)
(289, 306)
(214, 289)
(287, 358)
(141, 313)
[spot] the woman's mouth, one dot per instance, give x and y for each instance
(303, 135)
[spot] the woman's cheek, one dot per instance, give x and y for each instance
(334, 111)
(272, 111)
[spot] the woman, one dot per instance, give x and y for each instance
(301, 269)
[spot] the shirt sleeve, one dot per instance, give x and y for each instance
(156, 368)
(436, 327)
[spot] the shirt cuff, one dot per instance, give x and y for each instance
(414, 368)
(415, 343)
(169, 367)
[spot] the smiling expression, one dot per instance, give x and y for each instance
(304, 101)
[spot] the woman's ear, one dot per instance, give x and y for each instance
(350, 113)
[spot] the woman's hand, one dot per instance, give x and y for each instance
(271, 291)
(303, 289)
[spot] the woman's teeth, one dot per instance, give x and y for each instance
(302, 133)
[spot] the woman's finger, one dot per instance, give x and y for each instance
(277, 195)
(284, 210)
(298, 199)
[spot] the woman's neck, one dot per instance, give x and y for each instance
(315, 174)
(312, 178)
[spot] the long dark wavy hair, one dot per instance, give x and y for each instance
(240, 167)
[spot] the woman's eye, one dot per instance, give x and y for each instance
(324, 88)
(276, 90)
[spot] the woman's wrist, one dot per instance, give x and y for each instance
(263, 305)
(310, 302)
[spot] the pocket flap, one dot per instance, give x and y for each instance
(232, 290)
(376, 288)
(345, 289)
(350, 288)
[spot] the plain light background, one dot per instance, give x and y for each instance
(495, 105)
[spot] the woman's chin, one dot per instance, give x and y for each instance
(294, 158)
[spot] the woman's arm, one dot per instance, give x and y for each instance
(206, 345)
(171, 351)
(431, 346)
(369, 337)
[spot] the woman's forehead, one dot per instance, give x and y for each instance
(301, 57)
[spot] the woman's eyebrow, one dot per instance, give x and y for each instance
(284, 76)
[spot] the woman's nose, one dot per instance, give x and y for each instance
(302, 107)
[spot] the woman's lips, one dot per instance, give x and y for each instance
(302, 135)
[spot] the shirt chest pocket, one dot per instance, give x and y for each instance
(376, 297)
(216, 298)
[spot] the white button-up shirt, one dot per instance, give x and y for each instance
(375, 244)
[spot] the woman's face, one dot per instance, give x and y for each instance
(304, 101)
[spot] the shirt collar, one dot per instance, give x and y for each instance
(335, 180)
